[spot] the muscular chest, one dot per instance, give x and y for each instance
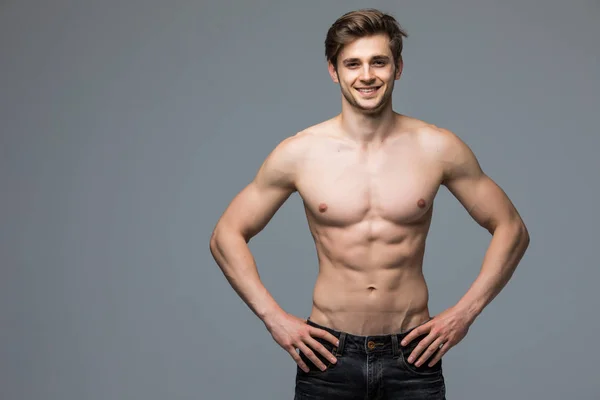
(345, 187)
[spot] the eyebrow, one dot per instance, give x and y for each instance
(374, 58)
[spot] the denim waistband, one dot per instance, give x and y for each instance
(366, 344)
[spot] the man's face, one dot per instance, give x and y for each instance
(366, 63)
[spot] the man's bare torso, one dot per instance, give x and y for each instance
(369, 211)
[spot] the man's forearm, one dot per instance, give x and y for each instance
(506, 249)
(232, 254)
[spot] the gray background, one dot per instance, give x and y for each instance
(127, 126)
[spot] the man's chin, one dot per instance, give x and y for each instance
(366, 106)
(370, 108)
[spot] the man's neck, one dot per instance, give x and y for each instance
(367, 129)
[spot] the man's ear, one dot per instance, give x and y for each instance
(399, 68)
(332, 72)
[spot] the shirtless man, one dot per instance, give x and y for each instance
(368, 178)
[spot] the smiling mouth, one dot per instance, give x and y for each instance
(368, 90)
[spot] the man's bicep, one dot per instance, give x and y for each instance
(483, 199)
(252, 208)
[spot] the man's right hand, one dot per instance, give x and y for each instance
(292, 333)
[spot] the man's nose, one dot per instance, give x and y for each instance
(366, 74)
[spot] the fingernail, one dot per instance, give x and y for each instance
(337, 343)
(410, 359)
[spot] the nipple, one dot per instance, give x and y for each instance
(322, 207)
(421, 203)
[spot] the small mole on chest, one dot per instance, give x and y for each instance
(322, 207)
(421, 203)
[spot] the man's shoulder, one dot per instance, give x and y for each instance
(300, 142)
(436, 141)
(448, 150)
(286, 160)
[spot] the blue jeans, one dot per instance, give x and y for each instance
(369, 368)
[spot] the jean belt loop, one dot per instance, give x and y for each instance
(340, 348)
(395, 347)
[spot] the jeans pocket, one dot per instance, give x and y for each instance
(313, 369)
(424, 369)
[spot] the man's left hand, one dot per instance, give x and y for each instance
(447, 328)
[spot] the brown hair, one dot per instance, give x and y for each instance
(361, 23)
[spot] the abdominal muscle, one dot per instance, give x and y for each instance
(370, 286)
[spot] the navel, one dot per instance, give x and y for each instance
(322, 207)
(421, 203)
